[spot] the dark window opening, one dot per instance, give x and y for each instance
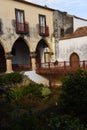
(62, 32)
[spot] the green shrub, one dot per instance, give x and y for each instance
(46, 92)
(74, 96)
(32, 90)
(10, 78)
(65, 122)
(19, 119)
(26, 94)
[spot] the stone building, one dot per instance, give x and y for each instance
(26, 35)
(65, 24)
(34, 37)
(72, 48)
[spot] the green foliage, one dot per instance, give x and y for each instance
(74, 96)
(19, 114)
(65, 122)
(31, 91)
(29, 95)
(46, 92)
(10, 78)
(18, 119)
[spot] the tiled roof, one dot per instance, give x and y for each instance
(82, 31)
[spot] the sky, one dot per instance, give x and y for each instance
(73, 7)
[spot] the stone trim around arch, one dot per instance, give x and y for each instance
(21, 59)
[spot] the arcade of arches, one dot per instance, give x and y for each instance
(42, 53)
(21, 59)
(2, 60)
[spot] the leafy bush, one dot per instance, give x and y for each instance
(46, 92)
(18, 119)
(27, 95)
(31, 91)
(65, 122)
(10, 78)
(74, 96)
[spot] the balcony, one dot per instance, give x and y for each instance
(22, 28)
(62, 68)
(43, 31)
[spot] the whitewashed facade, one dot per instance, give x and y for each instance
(78, 22)
(73, 45)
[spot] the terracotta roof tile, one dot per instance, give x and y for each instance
(82, 31)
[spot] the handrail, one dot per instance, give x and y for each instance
(43, 30)
(60, 65)
(22, 27)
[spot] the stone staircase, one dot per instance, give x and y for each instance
(36, 77)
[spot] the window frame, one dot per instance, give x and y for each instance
(0, 26)
(21, 11)
(62, 32)
(47, 57)
(44, 17)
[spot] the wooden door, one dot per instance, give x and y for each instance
(74, 60)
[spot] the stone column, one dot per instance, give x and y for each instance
(33, 60)
(8, 57)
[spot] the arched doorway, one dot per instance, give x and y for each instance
(2, 60)
(74, 60)
(41, 54)
(21, 60)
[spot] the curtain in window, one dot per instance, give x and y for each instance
(20, 20)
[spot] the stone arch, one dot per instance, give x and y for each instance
(2, 59)
(42, 52)
(74, 60)
(20, 55)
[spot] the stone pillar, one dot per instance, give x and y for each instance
(33, 60)
(8, 57)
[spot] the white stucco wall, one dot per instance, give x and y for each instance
(77, 45)
(77, 22)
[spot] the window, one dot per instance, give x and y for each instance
(43, 28)
(42, 23)
(0, 26)
(42, 20)
(47, 57)
(62, 32)
(20, 19)
(19, 16)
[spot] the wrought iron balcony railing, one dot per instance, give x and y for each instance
(43, 31)
(22, 28)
